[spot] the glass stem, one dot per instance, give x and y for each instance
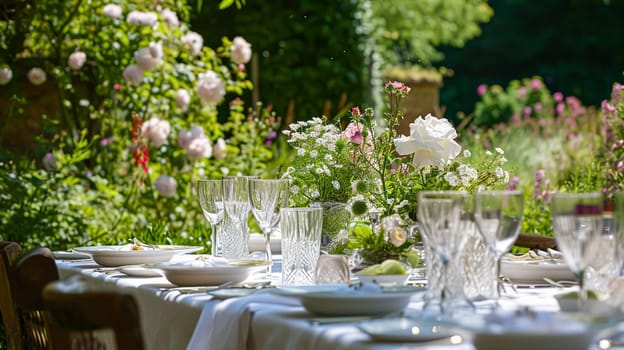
(269, 256)
(499, 283)
(213, 248)
(582, 293)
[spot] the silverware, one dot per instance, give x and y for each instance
(561, 284)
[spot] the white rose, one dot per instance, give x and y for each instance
(182, 99)
(240, 50)
(210, 88)
(112, 11)
(133, 74)
(193, 43)
(76, 60)
(199, 148)
(219, 149)
(431, 141)
(170, 17)
(36, 76)
(156, 131)
(139, 18)
(150, 57)
(166, 185)
(186, 136)
(6, 74)
(49, 162)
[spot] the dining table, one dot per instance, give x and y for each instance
(194, 317)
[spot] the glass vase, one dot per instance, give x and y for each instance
(336, 218)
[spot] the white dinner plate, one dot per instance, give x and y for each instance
(119, 255)
(405, 330)
(140, 271)
(69, 255)
(187, 274)
(340, 300)
(530, 272)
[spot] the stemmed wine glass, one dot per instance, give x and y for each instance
(267, 197)
(577, 222)
(439, 216)
(210, 195)
(498, 215)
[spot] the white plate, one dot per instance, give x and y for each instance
(534, 272)
(342, 302)
(185, 274)
(140, 271)
(119, 255)
(384, 279)
(405, 330)
(256, 243)
(69, 255)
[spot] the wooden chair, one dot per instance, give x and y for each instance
(76, 308)
(9, 254)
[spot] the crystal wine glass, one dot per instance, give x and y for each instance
(267, 197)
(498, 215)
(210, 195)
(439, 217)
(577, 222)
(236, 209)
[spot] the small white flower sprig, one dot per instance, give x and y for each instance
(322, 169)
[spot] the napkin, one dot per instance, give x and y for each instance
(227, 325)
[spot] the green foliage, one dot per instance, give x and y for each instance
(311, 54)
(412, 31)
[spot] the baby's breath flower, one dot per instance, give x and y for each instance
(313, 153)
(336, 184)
(499, 150)
(488, 153)
(315, 194)
(467, 153)
(294, 189)
(301, 152)
(451, 178)
(499, 172)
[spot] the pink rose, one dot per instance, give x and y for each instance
(148, 58)
(558, 96)
(240, 50)
(76, 60)
(182, 99)
(112, 11)
(210, 88)
(353, 133)
(481, 89)
(6, 74)
(36, 76)
(146, 19)
(170, 17)
(536, 84)
(166, 186)
(356, 111)
(133, 74)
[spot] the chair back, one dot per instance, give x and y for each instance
(77, 308)
(9, 254)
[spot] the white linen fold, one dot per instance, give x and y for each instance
(226, 325)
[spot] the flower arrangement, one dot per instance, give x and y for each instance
(397, 167)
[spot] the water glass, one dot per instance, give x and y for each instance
(332, 268)
(578, 225)
(301, 243)
(236, 208)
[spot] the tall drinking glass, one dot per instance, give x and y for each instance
(267, 197)
(210, 195)
(577, 222)
(301, 244)
(236, 208)
(439, 216)
(498, 215)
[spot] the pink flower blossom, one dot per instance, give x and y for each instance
(240, 50)
(193, 43)
(133, 74)
(536, 84)
(521, 91)
(156, 131)
(210, 88)
(186, 136)
(76, 60)
(219, 149)
(49, 162)
(526, 111)
(355, 111)
(166, 185)
(170, 17)
(112, 11)
(6, 74)
(538, 106)
(36, 76)
(199, 148)
(558, 96)
(481, 89)
(353, 133)
(117, 86)
(560, 108)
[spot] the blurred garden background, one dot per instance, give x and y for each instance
(109, 110)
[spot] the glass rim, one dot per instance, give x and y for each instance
(301, 209)
(594, 194)
(490, 192)
(269, 180)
